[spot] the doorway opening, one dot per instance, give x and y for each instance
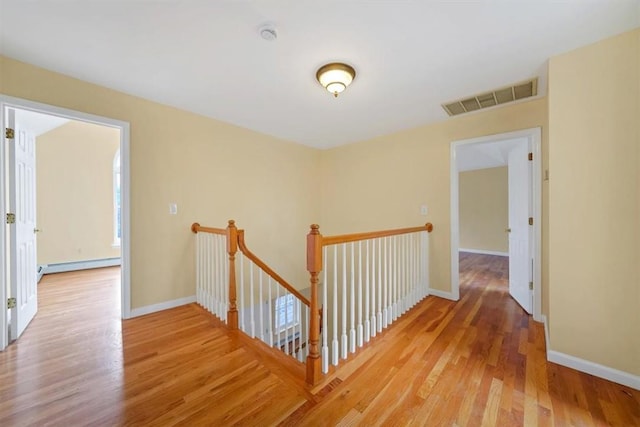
(77, 181)
(513, 157)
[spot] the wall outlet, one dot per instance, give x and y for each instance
(173, 209)
(424, 210)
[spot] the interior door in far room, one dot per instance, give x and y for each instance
(22, 203)
(519, 177)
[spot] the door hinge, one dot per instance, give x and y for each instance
(530, 286)
(11, 303)
(530, 220)
(530, 156)
(9, 133)
(11, 218)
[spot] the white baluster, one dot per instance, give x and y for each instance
(270, 313)
(306, 333)
(288, 326)
(367, 325)
(241, 307)
(198, 293)
(425, 261)
(416, 267)
(334, 343)
(325, 314)
(407, 272)
(380, 297)
(210, 304)
(360, 335)
(261, 308)
(352, 301)
(216, 278)
(401, 307)
(278, 318)
(385, 283)
(396, 278)
(427, 264)
(225, 284)
(374, 322)
(299, 318)
(287, 321)
(252, 288)
(344, 342)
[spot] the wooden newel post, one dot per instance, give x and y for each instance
(232, 248)
(314, 267)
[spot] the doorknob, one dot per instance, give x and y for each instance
(36, 230)
(508, 230)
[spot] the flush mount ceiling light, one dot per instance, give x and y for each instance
(335, 77)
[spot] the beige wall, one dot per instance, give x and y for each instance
(484, 209)
(594, 161)
(213, 171)
(74, 186)
(381, 183)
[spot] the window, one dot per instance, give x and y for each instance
(287, 312)
(117, 224)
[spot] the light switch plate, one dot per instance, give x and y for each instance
(424, 210)
(173, 209)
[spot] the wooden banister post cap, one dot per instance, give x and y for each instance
(232, 223)
(194, 227)
(429, 227)
(315, 229)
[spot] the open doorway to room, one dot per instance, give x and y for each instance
(65, 184)
(495, 213)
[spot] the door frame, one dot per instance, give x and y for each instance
(534, 136)
(125, 242)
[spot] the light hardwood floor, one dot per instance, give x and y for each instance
(480, 361)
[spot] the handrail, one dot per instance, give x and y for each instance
(345, 238)
(195, 228)
(243, 248)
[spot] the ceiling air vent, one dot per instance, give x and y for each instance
(491, 99)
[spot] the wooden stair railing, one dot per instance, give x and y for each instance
(238, 278)
(392, 268)
(394, 275)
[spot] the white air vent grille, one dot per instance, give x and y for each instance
(490, 99)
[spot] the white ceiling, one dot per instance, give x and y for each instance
(207, 56)
(38, 123)
(485, 155)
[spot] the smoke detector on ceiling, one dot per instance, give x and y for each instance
(268, 32)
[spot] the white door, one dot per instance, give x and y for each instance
(519, 237)
(22, 203)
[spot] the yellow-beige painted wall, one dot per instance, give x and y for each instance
(381, 183)
(74, 187)
(594, 198)
(484, 209)
(214, 172)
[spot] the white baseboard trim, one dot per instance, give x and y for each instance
(483, 252)
(80, 265)
(588, 367)
(148, 309)
(442, 294)
(595, 369)
(543, 319)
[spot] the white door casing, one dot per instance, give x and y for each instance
(519, 229)
(22, 203)
(8, 103)
(534, 136)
